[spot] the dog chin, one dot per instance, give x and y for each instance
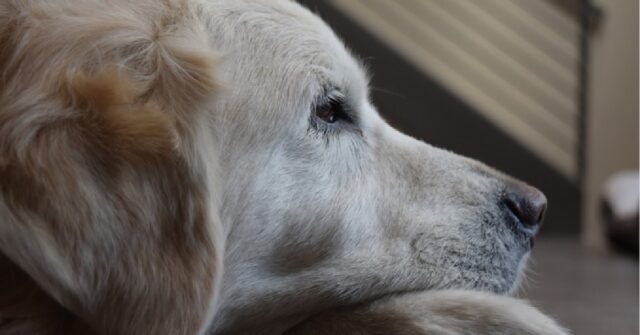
(508, 284)
(521, 276)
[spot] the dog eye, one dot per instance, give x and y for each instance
(332, 111)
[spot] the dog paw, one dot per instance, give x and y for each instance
(435, 313)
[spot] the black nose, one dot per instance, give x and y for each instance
(528, 205)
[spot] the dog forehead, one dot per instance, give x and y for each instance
(290, 39)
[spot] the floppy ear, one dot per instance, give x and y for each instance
(106, 162)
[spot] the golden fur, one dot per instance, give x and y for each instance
(96, 107)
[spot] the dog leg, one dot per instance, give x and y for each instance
(435, 313)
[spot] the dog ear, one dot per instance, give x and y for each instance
(107, 185)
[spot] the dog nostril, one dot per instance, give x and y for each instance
(528, 204)
(542, 211)
(514, 207)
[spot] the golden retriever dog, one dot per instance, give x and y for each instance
(215, 167)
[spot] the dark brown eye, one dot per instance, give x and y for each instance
(332, 111)
(326, 114)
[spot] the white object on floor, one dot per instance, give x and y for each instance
(622, 194)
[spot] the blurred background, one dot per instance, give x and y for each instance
(545, 90)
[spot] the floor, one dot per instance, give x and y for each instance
(587, 292)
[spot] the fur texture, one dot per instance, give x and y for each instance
(104, 199)
(434, 313)
(138, 196)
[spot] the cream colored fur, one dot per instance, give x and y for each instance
(163, 170)
(434, 313)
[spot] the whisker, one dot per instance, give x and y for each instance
(385, 91)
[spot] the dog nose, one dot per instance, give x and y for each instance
(528, 205)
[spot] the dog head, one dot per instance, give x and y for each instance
(129, 188)
(324, 202)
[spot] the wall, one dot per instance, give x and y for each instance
(514, 61)
(612, 123)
